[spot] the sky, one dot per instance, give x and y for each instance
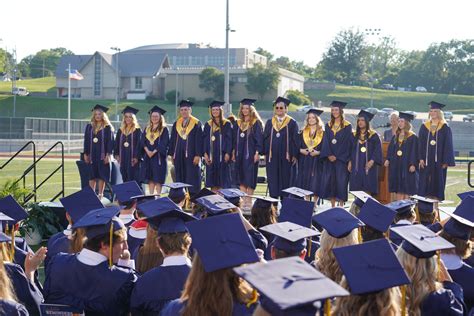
(298, 29)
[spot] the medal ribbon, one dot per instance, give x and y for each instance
(435, 134)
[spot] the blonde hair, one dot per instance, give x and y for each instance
(385, 302)
(77, 241)
(6, 287)
(463, 248)
(422, 274)
(161, 123)
(105, 121)
(253, 114)
(149, 255)
(441, 115)
(135, 124)
(319, 122)
(326, 262)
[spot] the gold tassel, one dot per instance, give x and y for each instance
(12, 252)
(404, 299)
(327, 307)
(418, 218)
(359, 235)
(111, 236)
(187, 201)
(309, 247)
(254, 298)
(439, 265)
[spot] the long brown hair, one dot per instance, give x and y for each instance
(6, 287)
(333, 119)
(161, 124)
(319, 122)
(78, 238)
(262, 216)
(385, 302)
(407, 129)
(463, 248)
(213, 293)
(253, 115)
(422, 273)
(135, 124)
(105, 122)
(149, 255)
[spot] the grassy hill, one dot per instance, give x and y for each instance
(42, 85)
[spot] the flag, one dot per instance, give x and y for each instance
(75, 75)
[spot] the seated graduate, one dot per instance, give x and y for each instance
(426, 212)
(216, 205)
(76, 205)
(372, 274)
(290, 239)
(432, 291)
(90, 280)
(469, 216)
(298, 193)
(263, 213)
(22, 282)
(360, 197)
(196, 209)
(300, 211)
(458, 230)
(8, 300)
(233, 196)
(126, 195)
(179, 193)
(289, 286)
(164, 283)
(340, 229)
(405, 216)
(377, 219)
(213, 288)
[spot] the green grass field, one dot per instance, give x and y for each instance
(41, 85)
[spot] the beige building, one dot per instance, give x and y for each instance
(155, 70)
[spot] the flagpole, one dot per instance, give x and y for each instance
(69, 109)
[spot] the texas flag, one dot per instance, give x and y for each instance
(75, 75)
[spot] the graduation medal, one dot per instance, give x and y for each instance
(432, 142)
(126, 144)
(95, 140)
(399, 153)
(334, 141)
(213, 138)
(278, 134)
(242, 134)
(363, 149)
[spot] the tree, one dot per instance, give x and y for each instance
(298, 97)
(212, 79)
(44, 62)
(283, 62)
(265, 53)
(344, 59)
(261, 79)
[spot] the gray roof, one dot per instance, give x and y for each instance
(131, 65)
(76, 61)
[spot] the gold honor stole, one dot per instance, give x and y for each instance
(244, 127)
(216, 127)
(184, 132)
(152, 136)
(277, 126)
(428, 126)
(311, 142)
(344, 124)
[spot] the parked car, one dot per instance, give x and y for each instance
(386, 111)
(468, 118)
(374, 111)
(20, 91)
(420, 89)
(448, 116)
(304, 108)
(388, 86)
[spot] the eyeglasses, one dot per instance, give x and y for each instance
(279, 108)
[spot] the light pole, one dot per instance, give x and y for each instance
(228, 106)
(372, 32)
(117, 84)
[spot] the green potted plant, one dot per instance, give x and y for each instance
(41, 223)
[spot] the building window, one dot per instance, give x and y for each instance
(138, 83)
(197, 60)
(182, 61)
(97, 74)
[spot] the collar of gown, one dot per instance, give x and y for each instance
(176, 261)
(91, 258)
(451, 261)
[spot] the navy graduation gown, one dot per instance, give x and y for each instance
(98, 290)
(246, 144)
(184, 146)
(279, 148)
(238, 309)
(394, 237)
(156, 167)
(158, 287)
(27, 293)
(310, 168)
(134, 241)
(435, 149)
(97, 146)
(216, 145)
(464, 276)
(127, 147)
(58, 245)
(447, 301)
(53, 238)
(361, 153)
(12, 308)
(259, 241)
(233, 175)
(400, 179)
(335, 174)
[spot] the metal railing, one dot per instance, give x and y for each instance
(469, 170)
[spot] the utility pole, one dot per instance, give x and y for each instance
(228, 106)
(117, 84)
(371, 33)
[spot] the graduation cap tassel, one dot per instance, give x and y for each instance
(310, 241)
(359, 235)
(12, 252)
(187, 200)
(327, 307)
(417, 211)
(404, 299)
(438, 259)
(254, 298)
(111, 235)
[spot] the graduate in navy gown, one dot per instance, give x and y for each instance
(90, 280)
(98, 146)
(127, 149)
(155, 143)
(8, 304)
(162, 284)
(436, 153)
(432, 290)
(248, 145)
(280, 148)
(211, 278)
(389, 133)
(366, 156)
(402, 160)
(217, 142)
(310, 165)
(186, 147)
(336, 155)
